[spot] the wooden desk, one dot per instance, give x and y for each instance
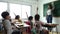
(51, 26)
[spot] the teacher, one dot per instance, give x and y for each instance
(49, 15)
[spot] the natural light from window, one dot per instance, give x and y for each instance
(15, 9)
(3, 7)
(22, 10)
(26, 10)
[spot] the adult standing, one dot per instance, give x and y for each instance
(49, 15)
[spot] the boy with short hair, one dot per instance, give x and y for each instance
(7, 23)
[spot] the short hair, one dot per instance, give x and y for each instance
(30, 18)
(4, 14)
(17, 17)
(37, 17)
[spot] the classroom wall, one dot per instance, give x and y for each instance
(40, 11)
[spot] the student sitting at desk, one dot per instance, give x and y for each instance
(38, 25)
(17, 19)
(7, 24)
(29, 22)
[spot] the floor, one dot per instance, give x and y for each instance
(49, 33)
(54, 32)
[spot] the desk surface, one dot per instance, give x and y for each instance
(50, 25)
(23, 24)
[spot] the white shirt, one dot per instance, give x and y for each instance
(49, 12)
(40, 23)
(7, 24)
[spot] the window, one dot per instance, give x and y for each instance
(26, 11)
(17, 9)
(3, 7)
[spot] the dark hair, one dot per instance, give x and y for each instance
(30, 18)
(4, 14)
(50, 5)
(17, 17)
(37, 17)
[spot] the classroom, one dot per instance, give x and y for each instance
(29, 16)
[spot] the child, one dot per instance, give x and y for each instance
(7, 24)
(29, 22)
(18, 18)
(38, 25)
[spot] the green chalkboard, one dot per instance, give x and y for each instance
(56, 11)
(45, 9)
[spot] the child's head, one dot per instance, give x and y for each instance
(5, 15)
(37, 17)
(17, 17)
(30, 18)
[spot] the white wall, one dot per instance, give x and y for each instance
(40, 11)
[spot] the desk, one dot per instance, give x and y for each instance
(22, 27)
(52, 26)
